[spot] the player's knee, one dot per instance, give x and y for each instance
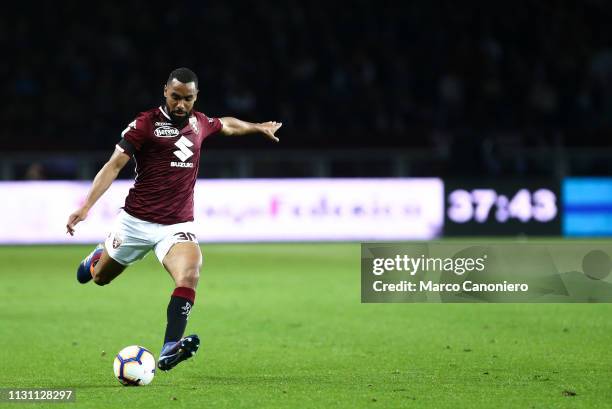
(101, 279)
(189, 277)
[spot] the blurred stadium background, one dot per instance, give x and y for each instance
(496, 98)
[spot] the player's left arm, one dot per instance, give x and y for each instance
(234, 126)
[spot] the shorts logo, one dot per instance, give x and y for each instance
(184, 152)
(166, 132)
(117, 242)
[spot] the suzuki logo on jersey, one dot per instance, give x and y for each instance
(166, 132)
(183, 153)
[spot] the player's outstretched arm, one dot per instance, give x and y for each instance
(101, 183)
(234, 126)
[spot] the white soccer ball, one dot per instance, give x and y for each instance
(134, 366)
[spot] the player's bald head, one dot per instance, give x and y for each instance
(184, 75)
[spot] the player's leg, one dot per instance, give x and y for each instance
(127, 243)
(183, 261)
(100, 266)
(107, 269)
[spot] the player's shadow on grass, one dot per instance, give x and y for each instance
(259, 380)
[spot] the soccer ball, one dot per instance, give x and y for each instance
(134, 366)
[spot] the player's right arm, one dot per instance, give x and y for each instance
(101, 183)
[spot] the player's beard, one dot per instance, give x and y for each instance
(178, 121)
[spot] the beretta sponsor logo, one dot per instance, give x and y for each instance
(166, 132)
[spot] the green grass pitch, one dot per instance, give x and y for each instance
(283, 327)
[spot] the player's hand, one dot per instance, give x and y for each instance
(74, 218)
(269, 129)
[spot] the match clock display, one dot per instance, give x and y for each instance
(502, 208)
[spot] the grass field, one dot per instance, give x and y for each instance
(283, 327)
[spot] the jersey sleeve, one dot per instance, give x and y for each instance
(213, 125)
(134, 136)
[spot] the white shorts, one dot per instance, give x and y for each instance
(131, 238)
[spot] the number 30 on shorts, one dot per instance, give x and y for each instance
(183, 236)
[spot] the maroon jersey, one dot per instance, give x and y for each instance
(167, 161)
